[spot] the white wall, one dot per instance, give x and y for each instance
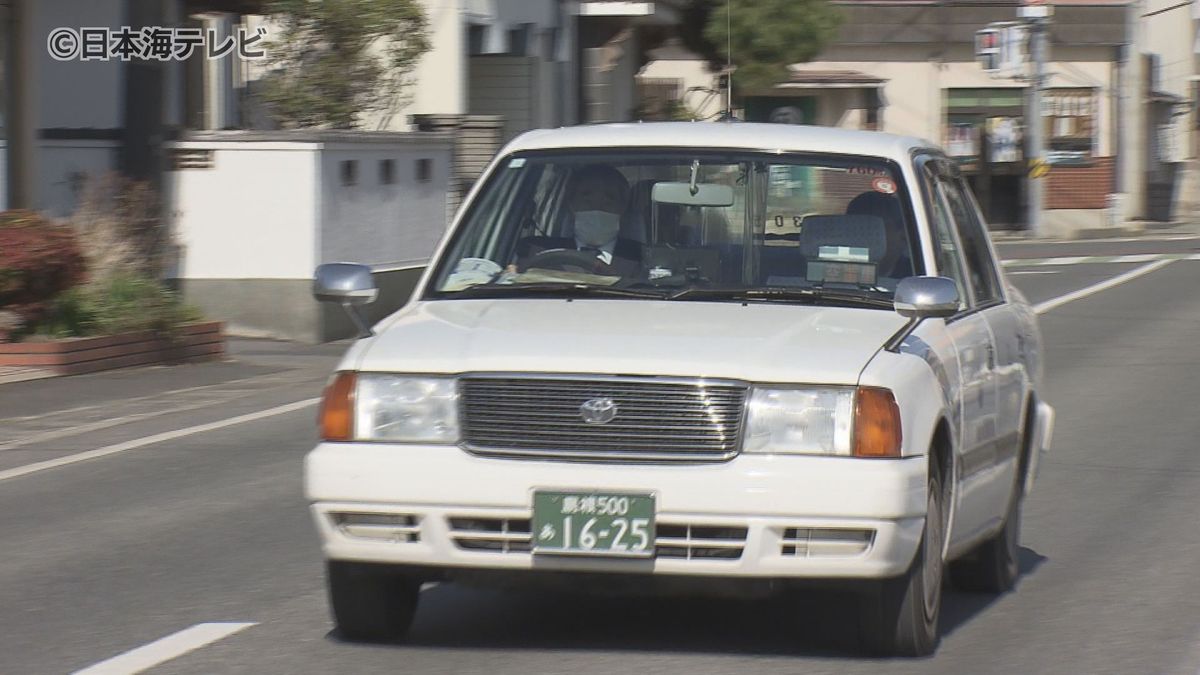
(692, 74)
(77, 94)
(439, 80)
(1172, 36)
(63, 167)
(377, 224)
(252, 216)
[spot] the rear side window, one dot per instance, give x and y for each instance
(945, 246)
(980, 266)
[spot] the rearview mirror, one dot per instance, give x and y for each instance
(349, 285)
(926, 297)
(705, 194)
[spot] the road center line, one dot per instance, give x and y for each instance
(1043, 307)
(156, 438)
(162, 650)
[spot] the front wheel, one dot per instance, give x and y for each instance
(993, 566)
(371, 603)
(899, 617)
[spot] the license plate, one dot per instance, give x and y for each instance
(593, 523)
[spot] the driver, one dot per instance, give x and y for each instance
(596, 195)
(596, 198)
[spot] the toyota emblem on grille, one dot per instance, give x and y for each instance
(598, 410)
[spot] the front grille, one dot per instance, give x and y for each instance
(655, 419)
(685, 541)
(699, 541)
(804, 542)
(391, 527)
(501, 535)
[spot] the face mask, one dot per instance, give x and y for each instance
(597, 228)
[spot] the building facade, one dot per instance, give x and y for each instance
(1116, 109)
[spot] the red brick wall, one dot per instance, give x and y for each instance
(1080, 187)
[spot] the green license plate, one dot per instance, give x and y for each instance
(593, 523)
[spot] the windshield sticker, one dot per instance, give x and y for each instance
(866, 171)
(844, 253)
(885, 185)
(516, 163)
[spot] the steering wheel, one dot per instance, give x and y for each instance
(570, 260)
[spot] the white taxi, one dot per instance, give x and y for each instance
(689, 356)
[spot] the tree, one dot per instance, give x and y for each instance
(337, 59)
(767, 36)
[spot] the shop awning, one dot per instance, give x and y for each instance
(831, 79)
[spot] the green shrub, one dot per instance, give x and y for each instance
(120, 304)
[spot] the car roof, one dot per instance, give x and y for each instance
(722, 135)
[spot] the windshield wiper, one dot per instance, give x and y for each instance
(551, 288)
(810, 295)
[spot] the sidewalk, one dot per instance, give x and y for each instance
(1131, 229)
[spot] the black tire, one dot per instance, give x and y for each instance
(993, 567)
(899, 617)
(371, 603)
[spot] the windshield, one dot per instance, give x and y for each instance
(683, 225)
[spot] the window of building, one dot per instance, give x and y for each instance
(518, 40)
(424, 170)
(348, 169)
(387, 171)
(476, 39)
(1070, 119)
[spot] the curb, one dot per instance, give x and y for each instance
(14, 375)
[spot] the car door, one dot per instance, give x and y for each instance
(973, 401)
(986, 472)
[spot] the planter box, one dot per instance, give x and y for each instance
(75, 356)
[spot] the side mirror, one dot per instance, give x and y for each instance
(927, 297)
(349, 285)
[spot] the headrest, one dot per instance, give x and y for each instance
(856, 231)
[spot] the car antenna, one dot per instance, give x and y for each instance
(728, 60)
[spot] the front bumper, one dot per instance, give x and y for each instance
(755, 516)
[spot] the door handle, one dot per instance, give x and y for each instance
(991, 357)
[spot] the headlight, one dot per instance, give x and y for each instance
(405, 409)
(837, 421)
(809, 421)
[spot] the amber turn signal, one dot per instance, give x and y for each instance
(876, 423)
(337, 409)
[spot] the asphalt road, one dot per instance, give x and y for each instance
(104, 556)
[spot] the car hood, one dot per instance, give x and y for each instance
(756, 341)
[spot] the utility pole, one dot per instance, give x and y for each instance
(1037, 18)
(20, 104)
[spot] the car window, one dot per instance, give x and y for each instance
(981, 268)
(945, 246)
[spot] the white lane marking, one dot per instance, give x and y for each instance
(1020, 272)
(1043, 307)
(185, 390)
(162, 650)
(65, 432)
(1097, 259)
(98, 426)
(1022, 241)
(156, 438)
(1067, 260)
(1141, 257)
